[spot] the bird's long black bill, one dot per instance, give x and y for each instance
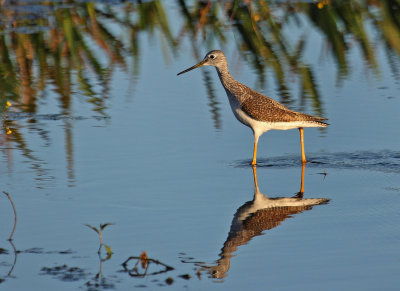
(192, 68)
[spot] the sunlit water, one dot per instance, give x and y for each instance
(163, 159)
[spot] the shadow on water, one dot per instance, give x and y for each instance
(255, 217)
(382, 161)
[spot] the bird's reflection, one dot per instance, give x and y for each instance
(258, 215)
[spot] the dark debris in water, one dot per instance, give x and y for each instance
(392, 189)
(189, 260)
(34, 116)
(64, 273)
(141, 266)
(74, 274)
(3, 251)
(382, 161)
(102, 284)
(185, 276)
(169, 281)
(136, 271)
(42, 251)
(5, 264)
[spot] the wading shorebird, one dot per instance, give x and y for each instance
(255, 110)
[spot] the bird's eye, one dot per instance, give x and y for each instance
(212, 57)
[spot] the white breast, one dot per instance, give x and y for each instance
(239, 114)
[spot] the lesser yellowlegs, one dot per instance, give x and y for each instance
(255, 110)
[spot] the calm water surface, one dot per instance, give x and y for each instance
(101, 130)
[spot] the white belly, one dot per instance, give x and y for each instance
(259, 127)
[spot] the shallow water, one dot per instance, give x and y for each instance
(101, 130)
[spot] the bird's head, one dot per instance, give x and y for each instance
(215, 58)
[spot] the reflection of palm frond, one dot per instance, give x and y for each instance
(8, 75)
(69, 42)
(328, 21)
(261, 33)
(389, 24)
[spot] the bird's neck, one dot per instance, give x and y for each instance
(229, 83)
(225, 77)
(223, 71)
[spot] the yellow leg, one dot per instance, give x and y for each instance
(302, 178)
(255, 177)
(301, 192)
(254, 162)
(303, 155)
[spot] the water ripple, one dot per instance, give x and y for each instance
(383, 161)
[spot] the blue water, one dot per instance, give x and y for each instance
(170, 168)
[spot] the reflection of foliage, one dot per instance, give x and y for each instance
(264, 31)
(69, 50)
(60, 44)
(61, 51)
(56, 53)
(74, 49)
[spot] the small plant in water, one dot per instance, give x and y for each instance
(99, 231)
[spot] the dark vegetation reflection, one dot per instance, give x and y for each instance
(257, 216)
(69, 48)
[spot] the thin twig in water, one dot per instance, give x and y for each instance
(134, 272)
(15, 214)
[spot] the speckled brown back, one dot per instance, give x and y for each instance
(263, 108)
